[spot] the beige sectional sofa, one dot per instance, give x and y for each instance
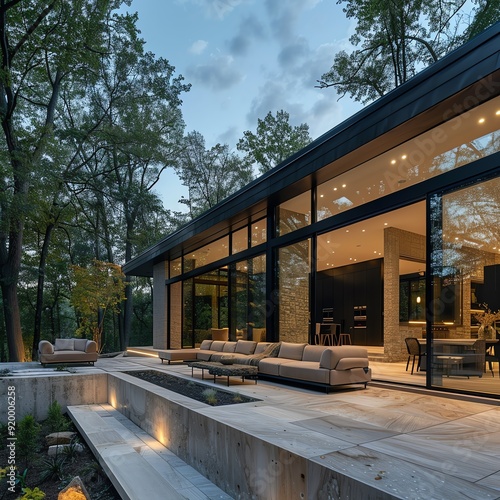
(67, 351)
(322, 366)
(318, 365)
(242, 351)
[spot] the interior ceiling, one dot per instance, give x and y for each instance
(365, 240)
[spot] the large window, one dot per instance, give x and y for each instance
(465, 261)
(294, 214)
(412, 298)
(207, 255)
(249, 299)
(455, 143)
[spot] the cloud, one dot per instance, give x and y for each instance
(218, 74)
(284, 16)
(294, 53)
(198, 47)
(217, 9)
(250, 29)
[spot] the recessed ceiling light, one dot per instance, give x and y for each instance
(498, 113)
(321, 195)
(363, 230)
(393, 162)
(386, 223)
(344, 185)
(481, 120)
(403, 157)
(347, 230)
(335, 189)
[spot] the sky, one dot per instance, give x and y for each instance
(244, 58)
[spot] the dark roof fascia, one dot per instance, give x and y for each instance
(459, 70)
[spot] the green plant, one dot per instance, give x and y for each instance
(56, 421)
(61, 368)
(36, 494)
(93, 471)
(53, 467)
(237, 398)
(71, 451)
(210, 396)
(27, 438)
(21, 478)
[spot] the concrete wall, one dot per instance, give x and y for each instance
(34, 394)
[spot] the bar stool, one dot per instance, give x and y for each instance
(345, 338)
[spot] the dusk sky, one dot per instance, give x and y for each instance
(245, 58)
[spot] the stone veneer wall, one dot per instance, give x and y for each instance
(175, 316)
(294, 293)
(160, 315)
(398, 244)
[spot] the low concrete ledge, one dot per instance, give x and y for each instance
(35, 392)
(137, 465)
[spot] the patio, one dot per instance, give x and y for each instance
(382, 442)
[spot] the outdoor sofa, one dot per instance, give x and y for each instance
(324, 366)
(67, 351)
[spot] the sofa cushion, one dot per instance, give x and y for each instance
(229, 347)
(204, 355)
(291, 350)
(261, 347)
(217, 345)
(64, 345)
(206, 344)
(313, 352)
(309, 371)
(80, 344)
(271, 366)
(245, 347)
(332, 355)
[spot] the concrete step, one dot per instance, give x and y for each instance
(138, 465)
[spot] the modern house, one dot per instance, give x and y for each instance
(387, 227)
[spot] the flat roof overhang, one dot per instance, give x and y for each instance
(466, 77)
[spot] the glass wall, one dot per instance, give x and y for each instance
(248, 319)
(465, 264)
(206, 306)
(208, 254)
(294, 274)
(240, 240)
(453, 144)
(258, 232)
(294, 214)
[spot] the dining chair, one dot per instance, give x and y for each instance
(414, 349)
(493, 356)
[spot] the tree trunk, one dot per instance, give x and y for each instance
(13, 322)
(39, 292)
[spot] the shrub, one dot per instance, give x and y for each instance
(56, 421)
(210, 396)
(36, 494)
(27, 438)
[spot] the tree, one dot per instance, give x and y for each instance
(139, 137)
(98, 288)
(45, 46)
(274, 141)
(210, 175)
(398, 38)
